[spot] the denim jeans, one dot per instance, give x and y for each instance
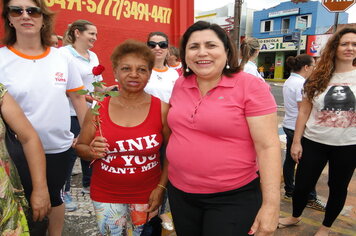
(86, 170)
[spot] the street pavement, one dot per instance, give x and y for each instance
(82, 221)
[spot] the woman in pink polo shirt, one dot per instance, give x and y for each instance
(224, 125)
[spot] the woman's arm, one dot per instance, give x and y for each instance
(90, 147)
(303, 116)
(18, 122)
(79, 105)
(166, 134)
(157, 194)
(264, 133)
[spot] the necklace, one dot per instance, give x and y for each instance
(132, 106)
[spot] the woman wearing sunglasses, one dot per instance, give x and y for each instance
(160, 85)
(40, 78)
(162, 78)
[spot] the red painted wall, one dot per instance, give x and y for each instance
(118, 20)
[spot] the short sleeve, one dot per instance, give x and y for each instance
(298, 88)
(75, 82)
(299, 94)
(258, 98)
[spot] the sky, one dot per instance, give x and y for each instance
(206, 5)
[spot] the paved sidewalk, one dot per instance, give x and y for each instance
(82, 221)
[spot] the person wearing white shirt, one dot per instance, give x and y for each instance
(249, 49)
(81, 36)
(325, 131)
(162, 78)
(173, 59)
(160, 85)
(301, 66)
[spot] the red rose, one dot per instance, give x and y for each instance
(97, 70)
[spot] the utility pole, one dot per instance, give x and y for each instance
(299, 41)
(237, 20)
(336, 21)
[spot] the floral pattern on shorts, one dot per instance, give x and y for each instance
(121, 219)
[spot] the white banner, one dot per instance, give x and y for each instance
(276, 44)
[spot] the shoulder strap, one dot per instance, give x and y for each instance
(156, 109)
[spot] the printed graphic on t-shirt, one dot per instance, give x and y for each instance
(59, 79)
(117, 163)
(338, 108)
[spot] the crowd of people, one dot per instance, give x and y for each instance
(192, 132)
(324, 129)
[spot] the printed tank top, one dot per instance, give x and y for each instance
(131, 170)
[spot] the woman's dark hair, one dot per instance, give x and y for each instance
(46, 30)
(298, 62)
(134, 47)
(158, 33)
(80, 25)
(229, 46)
(320, 78)
(330, 104)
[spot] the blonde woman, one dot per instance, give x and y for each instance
(81, 36)
(162, 78)
(249, 50)
(161, 84)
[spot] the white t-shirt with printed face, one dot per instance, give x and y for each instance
(292, 94)
(39, 85)
(161, 83)
(332, 120)
(84, 67)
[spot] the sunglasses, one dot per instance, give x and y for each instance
(34, 12)
(162, 44)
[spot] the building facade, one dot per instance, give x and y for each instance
(279, 29)
(224, 16)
